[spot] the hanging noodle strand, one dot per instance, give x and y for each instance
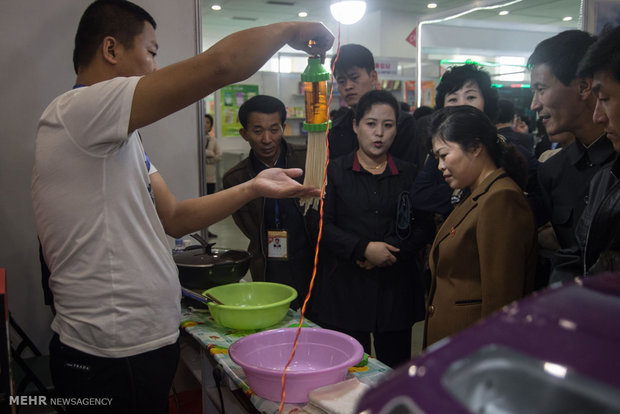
(316, 251)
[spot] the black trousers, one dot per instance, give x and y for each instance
(392, 348)
(135, 384)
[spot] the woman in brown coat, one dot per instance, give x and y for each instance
(483, 256)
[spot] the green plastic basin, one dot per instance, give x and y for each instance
(251, 305)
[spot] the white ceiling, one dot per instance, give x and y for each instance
(535, 17)
(240, 14)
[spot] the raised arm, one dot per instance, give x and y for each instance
(233, 59)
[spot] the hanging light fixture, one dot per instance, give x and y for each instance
(348, 11)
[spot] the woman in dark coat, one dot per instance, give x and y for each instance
(484, 254)
(369, 276)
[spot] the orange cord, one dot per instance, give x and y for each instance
(318, 240)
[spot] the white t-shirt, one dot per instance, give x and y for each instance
(115, 284)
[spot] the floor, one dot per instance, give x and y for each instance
(229, 236)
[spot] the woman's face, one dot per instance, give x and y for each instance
(459, 168)
(470, 94)
(376, 130)
(208, 125)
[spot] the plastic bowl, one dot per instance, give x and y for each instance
(322, 358)
(251, 305)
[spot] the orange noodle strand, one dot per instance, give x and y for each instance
(316, 251)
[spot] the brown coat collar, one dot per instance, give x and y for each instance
(469, 203)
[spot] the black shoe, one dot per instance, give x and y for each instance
(211, 235)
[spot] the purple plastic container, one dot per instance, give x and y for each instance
(322, 357)
(555, 351)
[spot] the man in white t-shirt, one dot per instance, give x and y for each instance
(102, 210)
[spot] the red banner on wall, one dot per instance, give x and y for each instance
(413, 37)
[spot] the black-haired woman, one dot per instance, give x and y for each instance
(484, 254)
(369, 280)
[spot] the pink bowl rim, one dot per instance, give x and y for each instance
(355, 358)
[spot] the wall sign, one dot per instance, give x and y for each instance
(231, 98)
(428, 93)
(386, 66)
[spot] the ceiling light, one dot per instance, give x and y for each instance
(503, 12)
(567, 19)
(432, 5)
(216, 7)
(348, 11)
(302, 14)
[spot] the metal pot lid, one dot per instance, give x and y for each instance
(200, 257)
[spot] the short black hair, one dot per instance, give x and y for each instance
(353, 55)
(457, 76)
(604, 54)
(506, 111)
(422, 111)
(263, 104)
(562, 53)
(469, 127)
(120, 19)
(375, 97)
(210, 118)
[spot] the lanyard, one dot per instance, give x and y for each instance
(277, 217)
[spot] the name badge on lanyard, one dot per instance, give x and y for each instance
(277, 240)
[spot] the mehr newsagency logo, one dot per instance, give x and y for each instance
(66, 401)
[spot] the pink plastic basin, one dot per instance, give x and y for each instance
(322, 358)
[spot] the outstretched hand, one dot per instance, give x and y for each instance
(322, 39)
(277, 183)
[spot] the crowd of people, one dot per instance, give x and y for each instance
(435, 216)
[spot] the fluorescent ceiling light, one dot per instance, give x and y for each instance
(348, 11)
(567, 19)
(503, 12)
(432, 5)
(302, 14)
(216, 7)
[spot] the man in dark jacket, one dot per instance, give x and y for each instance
(598, 230)
(505, 121)
(525, 144)
(564, 102)
(264, 220)
(355, 75)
